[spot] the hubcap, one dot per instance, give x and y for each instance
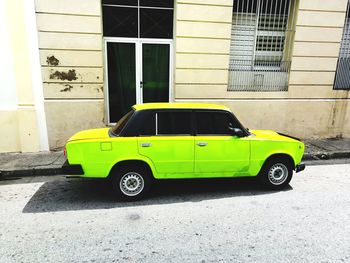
(131, 184)
(278, 174)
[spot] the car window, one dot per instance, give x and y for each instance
(174, 122)
(117, 128)
(148, 124)
(214, 123)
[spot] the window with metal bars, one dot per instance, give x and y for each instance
(342, 76)
(261, 40)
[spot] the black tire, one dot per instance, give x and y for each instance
(128, 177)
(276, 173)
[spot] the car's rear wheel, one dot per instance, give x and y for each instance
(276, 173)
(131, 183)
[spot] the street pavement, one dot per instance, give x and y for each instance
(54, 219)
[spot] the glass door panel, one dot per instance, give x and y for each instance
(155, 72)
(121, 79)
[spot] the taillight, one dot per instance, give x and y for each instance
(65, 151)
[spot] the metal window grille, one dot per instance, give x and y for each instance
(261, 40)
(342, 76)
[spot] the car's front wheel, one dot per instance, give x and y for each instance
(276, 173)
(131, 183)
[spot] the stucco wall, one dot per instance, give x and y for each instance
(70, 42)
(202, 43)
(21, 114)
(310, 108)
(71, 57)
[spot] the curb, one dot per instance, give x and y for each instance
(31, 172)
(326, 156)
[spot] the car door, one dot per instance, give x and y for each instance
(217, 151)
(167, 140)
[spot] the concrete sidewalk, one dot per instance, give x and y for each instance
(49, 163)
(31, 164)
(327, 149)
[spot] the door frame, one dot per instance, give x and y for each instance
(138, 66)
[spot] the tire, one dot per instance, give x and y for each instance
(276, 173)
(131, 183)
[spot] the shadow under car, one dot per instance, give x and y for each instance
(83, 194)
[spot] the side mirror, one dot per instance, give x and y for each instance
(237, 132)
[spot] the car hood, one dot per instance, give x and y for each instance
(101, 133)
(271, 135)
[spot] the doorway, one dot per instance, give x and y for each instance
(137, 71)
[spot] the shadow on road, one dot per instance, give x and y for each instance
(72, 195)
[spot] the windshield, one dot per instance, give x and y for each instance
(117, 128)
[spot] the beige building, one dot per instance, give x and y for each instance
(279, 64)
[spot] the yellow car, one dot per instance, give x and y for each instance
(181, 140)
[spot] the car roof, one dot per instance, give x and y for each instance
(152, 106)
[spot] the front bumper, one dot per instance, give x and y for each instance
(72, 169)
(300, 167)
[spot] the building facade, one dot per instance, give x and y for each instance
(278, 64)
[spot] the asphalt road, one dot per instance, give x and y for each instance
(52, 219)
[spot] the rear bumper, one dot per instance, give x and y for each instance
(300, 167)
(72, 169)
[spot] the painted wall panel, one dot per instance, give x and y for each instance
(82, 7)
(207, 2)
(333, 5)
(201, 76)
(197, 45)
(62, 124)
(68, 23)
(68, 58)
(315, 18)
(316, 49)
(202, 61)
(204, 13)
(318, 34)
(203, 29)
(9, 130)
(311, 78)
(49, 40)
(314, 64)
(73, 91)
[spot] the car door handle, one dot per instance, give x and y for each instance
(202, 144)
(146, 144)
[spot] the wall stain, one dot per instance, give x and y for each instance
(52, 61)
(70, 75)
(337, 117)
(67, 88)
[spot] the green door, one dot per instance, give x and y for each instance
(222, 155)
(137, 72)
(121, 70)
(167, 141)
(217, 152)
(155, 72)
